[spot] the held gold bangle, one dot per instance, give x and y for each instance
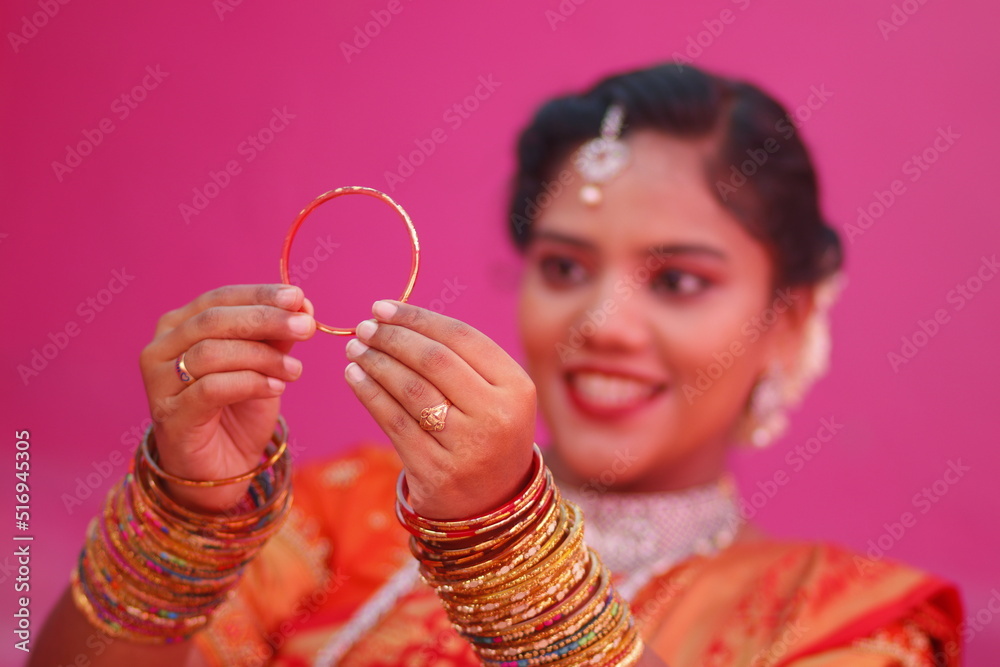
(286, 249)
(279, 439)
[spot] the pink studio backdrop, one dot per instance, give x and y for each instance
(200, 128)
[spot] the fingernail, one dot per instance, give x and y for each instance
(293, 366)
(354, 373)
(384, 310)
(300, 323)
(286, 297)
(275, 384)
(307, 305)
(355, 348)
(367, 329)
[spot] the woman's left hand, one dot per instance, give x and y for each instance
(410, 358)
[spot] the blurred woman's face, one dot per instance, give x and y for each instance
(642, 323)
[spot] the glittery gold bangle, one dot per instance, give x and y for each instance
(505, 555)
(462, 528)
(456, 590)
(541, 562)
(280, 440)
(456, 564)
(562, 539)
(526, 591)
(545, 626)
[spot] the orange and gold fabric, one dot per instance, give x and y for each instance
(759, 604)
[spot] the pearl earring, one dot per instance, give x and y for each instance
(767, 407)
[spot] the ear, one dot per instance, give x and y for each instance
(789, 335)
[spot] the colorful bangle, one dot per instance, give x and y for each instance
(519, 583)
(153, 571)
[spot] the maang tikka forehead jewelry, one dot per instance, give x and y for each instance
(601, 159)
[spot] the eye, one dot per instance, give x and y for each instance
(562, 271)
(679, 283)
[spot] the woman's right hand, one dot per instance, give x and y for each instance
(235, 342)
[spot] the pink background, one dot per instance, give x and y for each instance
(225, 73)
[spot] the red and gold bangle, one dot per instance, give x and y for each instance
(519, 583)
(286, 248)
(498, 561)
(472, 526)
(465, 565)
(475, 585)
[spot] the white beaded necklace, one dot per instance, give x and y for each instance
(638, 536)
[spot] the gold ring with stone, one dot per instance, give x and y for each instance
(432, 419)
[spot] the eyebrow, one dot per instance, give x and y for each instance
(688, 249)
(665, 249)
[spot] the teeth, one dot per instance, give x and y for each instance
(609, 390)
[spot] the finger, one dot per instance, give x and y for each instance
(258, 322)
(484, 356)
(426, 358)
(201, 400)
(217, 355)
(285, 346)
(413, 392)
(287, 297)
(415, 446)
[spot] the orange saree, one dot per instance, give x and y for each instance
(758, 604)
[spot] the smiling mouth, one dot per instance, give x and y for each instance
(606, 395)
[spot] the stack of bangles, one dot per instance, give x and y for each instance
(520, 585)
(152, 570)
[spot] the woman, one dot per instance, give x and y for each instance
(660, 214)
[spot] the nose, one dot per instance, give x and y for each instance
(616, 317)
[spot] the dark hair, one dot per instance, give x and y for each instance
(775, 196)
